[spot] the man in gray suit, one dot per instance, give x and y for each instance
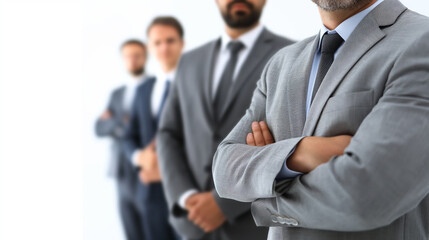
(212, 90)
(366, 75)
(113, 123)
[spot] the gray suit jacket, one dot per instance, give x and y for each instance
(188, 135)
(377, 90)
(114, 128)
(120, 166)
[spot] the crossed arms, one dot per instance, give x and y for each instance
(380, 177)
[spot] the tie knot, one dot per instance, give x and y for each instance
(235, 46)
(331, 42)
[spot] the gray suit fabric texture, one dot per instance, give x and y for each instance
(189, 135)
(377, 90)
(119, 166)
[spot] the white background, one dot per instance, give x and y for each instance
(59, 61)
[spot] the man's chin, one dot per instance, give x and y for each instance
(137, 73)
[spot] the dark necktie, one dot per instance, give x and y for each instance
(225, 84)
(164, 98)
(330, 44)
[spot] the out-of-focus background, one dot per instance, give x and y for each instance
(59, 61)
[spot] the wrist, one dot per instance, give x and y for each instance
(296, 163)
(299, 161)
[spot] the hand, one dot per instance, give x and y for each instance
(106, 115)
(260, 135)
(147, 158)
(150, 176)
(148, 162)
(204, 211)
(313, 151)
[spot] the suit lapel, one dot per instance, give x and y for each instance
(119, 103)
(260, 50)
(297, 85)
(365, 36)
(147, 118)
(208, 69)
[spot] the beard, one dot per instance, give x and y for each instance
(334, 5)
(241, 19)
(137, 72)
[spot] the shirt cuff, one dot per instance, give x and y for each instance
(285, 172)
(185, 196)
(135, 158)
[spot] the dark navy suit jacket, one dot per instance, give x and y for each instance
(140, 133)
(142, 129)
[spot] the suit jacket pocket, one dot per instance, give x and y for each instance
(349, 100)
(344, 112)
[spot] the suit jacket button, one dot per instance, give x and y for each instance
(295, 223)
(274, 218)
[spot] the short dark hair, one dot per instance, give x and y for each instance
(169, 21)
(134, 42)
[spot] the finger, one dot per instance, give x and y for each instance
(191, 215)
(266, 133)
(198, 221)
(206, 228)
(190, 203)
(193, 199)
(257, 134)
(250, 140)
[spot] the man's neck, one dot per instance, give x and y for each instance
(166, 69)
(331, 20)
(235, 33)
(136, 77)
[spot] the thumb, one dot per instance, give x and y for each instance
(193, 200)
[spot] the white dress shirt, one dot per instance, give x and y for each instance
(131, 85)
(159, 89)
(248, 39)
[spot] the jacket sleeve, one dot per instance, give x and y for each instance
(132, 136)
(243, 172)
(110, 127)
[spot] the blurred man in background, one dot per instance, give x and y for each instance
(112, 123)
(165, 36)
(213, 88)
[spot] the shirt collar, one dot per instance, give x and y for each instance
(248, 39)
(163, 76)
(133, 81)
(346, 28)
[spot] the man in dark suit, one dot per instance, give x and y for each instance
(112, 123)
(165, 35)
(213, 88)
